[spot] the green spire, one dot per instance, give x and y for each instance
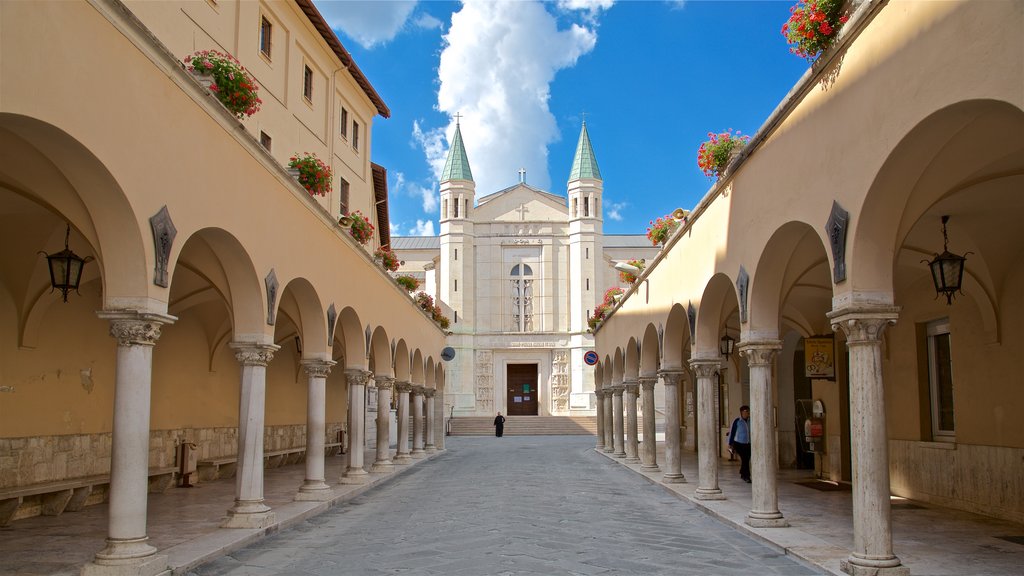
(457, 165)
(584, 164)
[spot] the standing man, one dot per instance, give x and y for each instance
(739, 441)
(499, 427)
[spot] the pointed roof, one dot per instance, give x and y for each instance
(457, 165)
(584, 164)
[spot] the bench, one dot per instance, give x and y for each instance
(214, 468)
(70, 495)
(332, 449)
(226, 466)
(278, 458)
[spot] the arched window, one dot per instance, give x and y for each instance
(522, 298)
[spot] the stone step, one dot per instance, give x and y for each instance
(525, 425)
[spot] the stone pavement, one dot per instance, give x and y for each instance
(518, 505)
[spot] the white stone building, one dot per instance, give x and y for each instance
(518, 272)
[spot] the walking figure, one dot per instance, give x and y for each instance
(499, 425)
(739, 441)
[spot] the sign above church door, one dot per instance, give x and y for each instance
(522, 242)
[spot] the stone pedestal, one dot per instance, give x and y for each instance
(357, 379)
(314, 487)
(649, 449)
(249, 510)
(402, 453)
(872, 553)
(673, 415)
(599, 396)
(428, 398)
(383, 463)
(127, 550)
(764, 511)
(631, 388)
(706, 372)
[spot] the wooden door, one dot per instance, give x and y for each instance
(521, 386)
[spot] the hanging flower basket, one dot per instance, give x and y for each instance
(386, 258)
(660, 230)
(361, 228)
(813, 26)
(314, 175)
(408, 282)
(229, 81)
(718, 151)
(631, 278)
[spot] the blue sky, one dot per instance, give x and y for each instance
(654, 77)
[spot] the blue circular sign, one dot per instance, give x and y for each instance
(590, 358)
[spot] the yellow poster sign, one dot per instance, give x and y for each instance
(819, 357)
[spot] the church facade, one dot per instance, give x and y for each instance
(519, 271)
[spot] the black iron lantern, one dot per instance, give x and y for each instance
(66, 268)
(726, 345)
(947, 269)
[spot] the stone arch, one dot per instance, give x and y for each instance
(618, 368)
(300, 305)
(677, 336)
(439, 376)
(631, 367)
(718, 303)
(349, 332)
(649, 352)
(599, 375)
(417, 368)
(403, 371)
(380, 351)
(609, 367)
(428, 373)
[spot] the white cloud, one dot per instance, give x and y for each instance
(613, 210)
(368, 22)
(427, 22)
(676, 4)
(423, 228)
(426, 194)
(394, 228)
(496, 69)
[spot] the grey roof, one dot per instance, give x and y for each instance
(627, 241)
(416, 242)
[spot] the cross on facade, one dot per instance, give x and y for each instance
(522, 211)
(522, 175)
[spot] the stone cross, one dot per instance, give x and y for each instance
(522, 175)
(522, 211)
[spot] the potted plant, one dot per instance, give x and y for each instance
(612, 295)
(408, 282)
(424, 301)
(313, 173)
(361, 229)
(660, 230)
(813, 26)
(718, 151)
(229, 81)
(386, 258)
(629, 278)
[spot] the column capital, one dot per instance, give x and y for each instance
(617, 390)
(384, 382)
(648, 382)
(135, 328)
(672, 377)
(357, 376)
(253, 353)
(317, 368)
(631, 385)
(417, 390)
(429, 392)
(705, 367)
(863, 324)
(599, 393)
(402, 386)
(760, 352)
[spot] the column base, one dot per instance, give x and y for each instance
(670, 478)
(134, 557)
(766, 520)
(632, 460)
(402, 458)
(354, 476)
(418, 454)
(619, 454)
(314, 492)
(249, 519)
(608, 449)
(382, 467)
(430, 449)
(650, 468)
(852, 568)
(709, 494)
(599, 448)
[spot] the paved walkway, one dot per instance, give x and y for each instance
(541, 505)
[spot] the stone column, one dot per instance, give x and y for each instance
(872, 515)
(439, 405)
(428, 394)
(249, 510)
(673, 414)
(383, 463)
(764, 511)
(650, 445)
(402, 453)
(707, 430)
(417, 422)
(599, 395)
(609, 426)
(632, 445)
(619, 427)
(127, 550)
(315, 488)
(357, 379)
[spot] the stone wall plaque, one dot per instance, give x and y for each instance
(835, 228)
(272, 285)
(163, 239)
(691, 315)
(742, 284)
(332, 318)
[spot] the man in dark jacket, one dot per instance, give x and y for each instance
(739, 441)
(499, 426)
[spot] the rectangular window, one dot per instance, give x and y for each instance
(456, 253)
(575, 207)
(466, 207)
(265, 140)
(586, 207)
(344, 123)
(456, 316)
(456, 285)
(307, 83)
(355, 135)
(444, 208)
(588, 252)
(343, 195)
(456, 203)
(588, 283)
(266, 34)
(940, 378)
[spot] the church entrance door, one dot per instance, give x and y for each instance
(521, 382)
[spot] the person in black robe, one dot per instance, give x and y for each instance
(499, 425)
